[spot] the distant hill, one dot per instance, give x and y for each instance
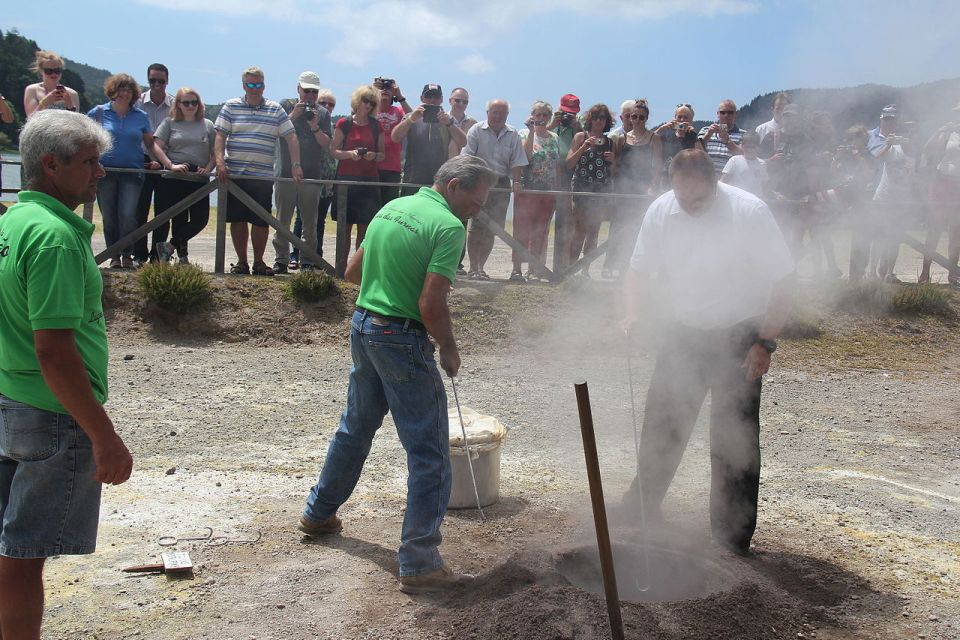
(92, 77)
(929, 105)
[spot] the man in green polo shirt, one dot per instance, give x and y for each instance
(57, 444)
(405, 268)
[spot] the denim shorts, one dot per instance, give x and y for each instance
(49, 501)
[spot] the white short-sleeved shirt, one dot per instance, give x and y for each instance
(750, 174)
(718, 268)
(502, 151)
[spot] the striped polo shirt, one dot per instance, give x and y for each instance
(252, 133)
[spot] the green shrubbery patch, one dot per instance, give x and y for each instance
(310, 286)
(878, 298)
(179, 288)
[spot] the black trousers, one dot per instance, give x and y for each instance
(690, 363)
(187, 224)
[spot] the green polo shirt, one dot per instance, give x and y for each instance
(407, 239)
(48, 280)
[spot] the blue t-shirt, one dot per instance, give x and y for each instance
(127, 133)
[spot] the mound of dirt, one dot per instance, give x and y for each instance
(770, 596)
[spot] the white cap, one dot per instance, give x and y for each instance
(309, 80)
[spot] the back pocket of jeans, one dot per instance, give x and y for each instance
(394, 361)
(27, 434)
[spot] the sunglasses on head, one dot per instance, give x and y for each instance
(327, 105)
(189, 103)
(461, 100)
(313, 91)
(683, 104)
(53, 71)
(156, 81)
(254, 85)
(368, 101)
(726, 112)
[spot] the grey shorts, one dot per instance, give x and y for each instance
(49, 501)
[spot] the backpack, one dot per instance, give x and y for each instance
(348, 123)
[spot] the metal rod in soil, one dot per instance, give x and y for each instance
(599, 511)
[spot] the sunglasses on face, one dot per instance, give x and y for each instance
(460, 101)
(327, 105)
(313, 91)
(726, 112)
(53, 71)
(368, 101)
(253, 85)
(155, 81)
(189, 103)
(637, 116)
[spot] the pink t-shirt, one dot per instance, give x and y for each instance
(388, 120)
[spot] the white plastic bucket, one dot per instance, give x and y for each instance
(485, 435)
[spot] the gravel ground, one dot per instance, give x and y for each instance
(857, 535)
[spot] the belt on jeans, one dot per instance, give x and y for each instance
(408, 323)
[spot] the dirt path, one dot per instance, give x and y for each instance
(857, 535)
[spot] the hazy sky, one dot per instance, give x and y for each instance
(668, 51)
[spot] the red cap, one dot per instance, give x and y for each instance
(570, 104)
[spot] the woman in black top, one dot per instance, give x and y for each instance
(592, 160)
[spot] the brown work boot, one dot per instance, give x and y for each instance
(438, 580)
(333, 524)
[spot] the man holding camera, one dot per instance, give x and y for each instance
(312, 125)
(428, 130)
(566, 125)
(722, 138)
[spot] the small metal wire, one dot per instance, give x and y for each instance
(645, 585)
(466, 448)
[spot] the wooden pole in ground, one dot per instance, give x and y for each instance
(599, 511)
(219, 259)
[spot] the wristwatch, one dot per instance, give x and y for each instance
(769, 345)
(399, 99)
(295, 164)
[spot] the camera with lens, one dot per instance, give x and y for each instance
(384, 83)
(566, 119)
(310, 111)
(362, 151)
(431, 113)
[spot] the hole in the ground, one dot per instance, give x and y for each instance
(660, 575)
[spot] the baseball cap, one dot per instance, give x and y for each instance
(570, 103)
(889, 111)
(431, 88)
(309, 80)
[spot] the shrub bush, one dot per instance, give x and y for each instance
(180, 288)
(922, 300)
(310, 286)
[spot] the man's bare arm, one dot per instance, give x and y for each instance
(436, 318)
(64, 372)
(354, 272)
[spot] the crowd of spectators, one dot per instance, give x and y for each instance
(794, 161)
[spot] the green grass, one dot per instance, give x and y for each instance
(878, 298)
(180, 288)
(309, 286)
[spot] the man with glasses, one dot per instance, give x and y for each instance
(722, 138)
(429, 132)
(156, 103)
(459, 99)
(311, 121)
(500, 146)
(248, 130)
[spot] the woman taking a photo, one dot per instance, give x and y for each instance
(183, 143)
(118, 192)
(640, 159)
(592, 159)
(49, 93)
(358, 145)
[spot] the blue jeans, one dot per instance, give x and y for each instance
(393, 368)
(117, 197)
(49, 501)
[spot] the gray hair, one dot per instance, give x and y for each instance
(62, 133)
(541, 104)
(492, 100)
(471, 171)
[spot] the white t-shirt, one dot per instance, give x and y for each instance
(768, 128)
(896, 176)
(748, 174)
(717, 268)
(950, 162)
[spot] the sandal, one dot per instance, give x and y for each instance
(482, 275)
(516, 276)
(260, 268)
(240, 269)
